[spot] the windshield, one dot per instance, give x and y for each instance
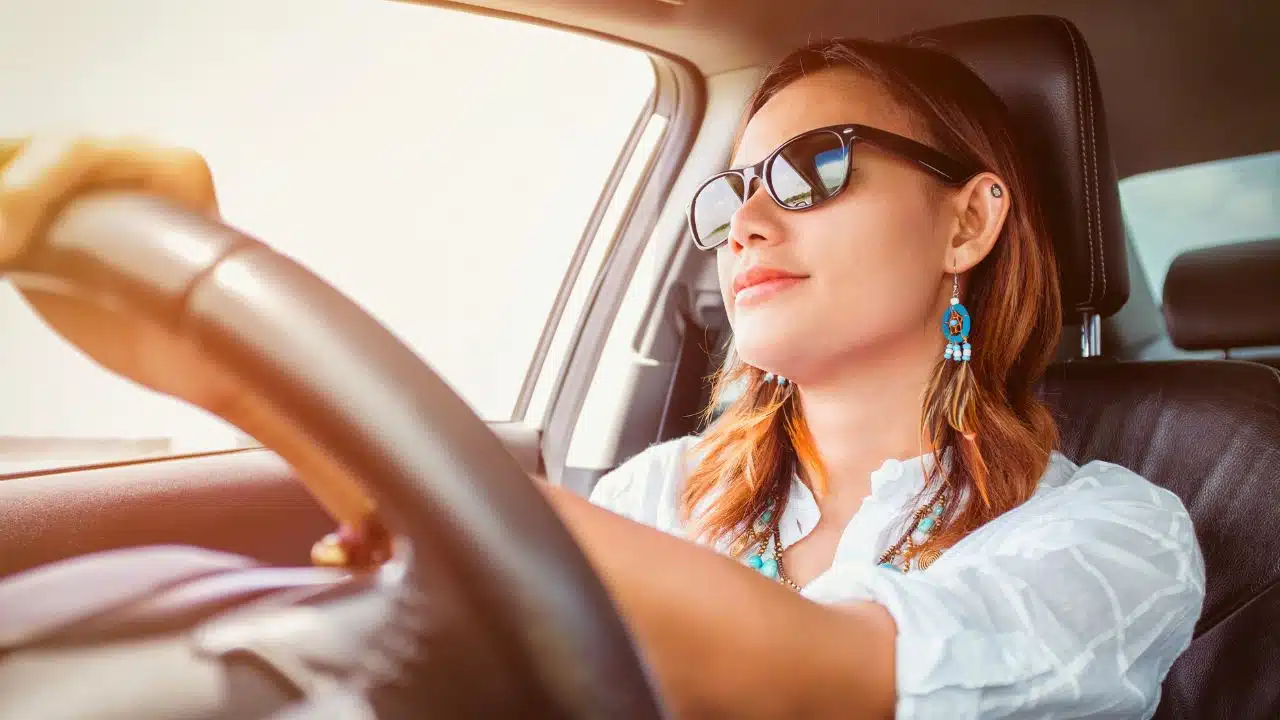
(392, 148)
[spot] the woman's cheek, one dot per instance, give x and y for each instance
(725, 267)
(879, 280)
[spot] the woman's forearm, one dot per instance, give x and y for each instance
(724, 641)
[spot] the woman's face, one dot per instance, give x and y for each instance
(872, 261)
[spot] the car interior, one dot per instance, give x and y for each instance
(183, 587)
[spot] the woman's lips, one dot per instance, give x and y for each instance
(760, 292)
(760, 273)
(759, 283)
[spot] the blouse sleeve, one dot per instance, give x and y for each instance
(645, 487)
(1075, 607)
(621, 490)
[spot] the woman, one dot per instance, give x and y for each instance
(880, 523)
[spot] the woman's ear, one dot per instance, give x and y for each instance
(982, 206)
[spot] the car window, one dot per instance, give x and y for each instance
(438, 167)
(1169, 212)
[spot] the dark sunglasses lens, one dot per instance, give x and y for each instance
(808, 170)
(713, 209)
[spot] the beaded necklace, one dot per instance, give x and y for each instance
(766, 536)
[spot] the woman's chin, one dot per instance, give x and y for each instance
(772, 352)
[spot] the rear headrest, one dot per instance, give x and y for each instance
(1042, 69)
(1224, 297)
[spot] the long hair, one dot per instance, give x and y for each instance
(990, 436)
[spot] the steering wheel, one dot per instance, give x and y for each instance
(497, 610)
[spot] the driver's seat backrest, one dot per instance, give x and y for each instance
(1208, 430)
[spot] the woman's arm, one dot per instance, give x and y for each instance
(1073, 605)
(724, 641)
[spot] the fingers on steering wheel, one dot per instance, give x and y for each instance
(38, 176)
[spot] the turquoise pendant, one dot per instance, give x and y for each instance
(956, 323)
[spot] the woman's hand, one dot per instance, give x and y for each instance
(38, 177)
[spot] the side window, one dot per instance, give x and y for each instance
(447, 171)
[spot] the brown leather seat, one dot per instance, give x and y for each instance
(1207, 430)
(1210, 432)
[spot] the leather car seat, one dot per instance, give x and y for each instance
(1207, 430)
(1226, 298)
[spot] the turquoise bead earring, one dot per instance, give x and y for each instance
(956, 325)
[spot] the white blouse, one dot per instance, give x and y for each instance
(1073, 604)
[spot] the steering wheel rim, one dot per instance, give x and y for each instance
(354, 409)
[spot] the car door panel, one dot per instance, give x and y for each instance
(245, 501)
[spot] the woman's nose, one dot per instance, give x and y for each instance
(755, 221)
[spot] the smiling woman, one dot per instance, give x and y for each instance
(469, 179)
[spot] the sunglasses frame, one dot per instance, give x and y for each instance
(935, 162)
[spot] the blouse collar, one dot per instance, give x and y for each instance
(893, 485)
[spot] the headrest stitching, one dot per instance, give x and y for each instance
(1088, 216)
(1097, 181)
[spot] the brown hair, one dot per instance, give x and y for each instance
(984, 413)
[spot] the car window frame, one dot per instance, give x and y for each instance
(591, 234)
(679, 96)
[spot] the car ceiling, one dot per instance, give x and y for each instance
(1184, 81)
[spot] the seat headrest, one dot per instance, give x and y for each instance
(1040, 66)
(1224, 297)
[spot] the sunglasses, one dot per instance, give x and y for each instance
(804, 172)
